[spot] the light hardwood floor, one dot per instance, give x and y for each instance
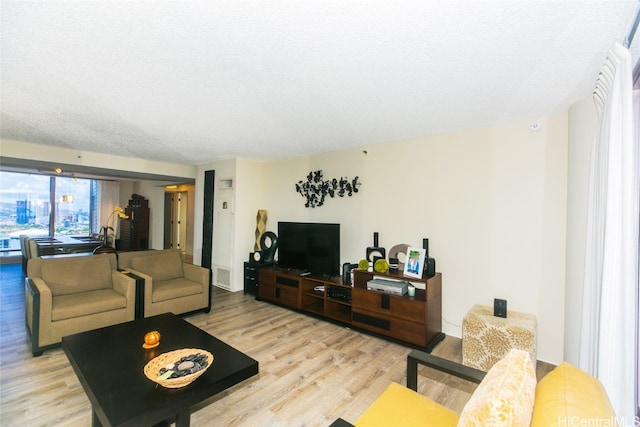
(311, 371)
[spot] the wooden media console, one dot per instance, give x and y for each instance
(414, 320)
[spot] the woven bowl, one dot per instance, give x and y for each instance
(152, 368)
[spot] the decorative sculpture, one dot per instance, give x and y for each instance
(261, 226)
(315, 189)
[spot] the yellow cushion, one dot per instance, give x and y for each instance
(401, 406)
(567, 394)
(505, 396)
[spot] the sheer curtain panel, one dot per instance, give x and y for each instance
(109, 198)
(609, 320)
(636, 118)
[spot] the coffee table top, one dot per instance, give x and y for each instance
(109, 363)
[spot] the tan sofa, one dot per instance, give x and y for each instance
(170, 285)
(507, 395)
(65, 296)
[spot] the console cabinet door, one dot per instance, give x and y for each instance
(266, 285)
(286, 295)
(400, 329)
(270, 290)
(250, 278)
(396, 317)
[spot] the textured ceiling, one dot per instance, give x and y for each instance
(197, 81)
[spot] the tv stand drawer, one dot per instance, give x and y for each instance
(390, 305)
(284, 295)
(415, 333)
(294, 283)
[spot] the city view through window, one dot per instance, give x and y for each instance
(39, 206)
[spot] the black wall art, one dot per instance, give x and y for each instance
(315, 189)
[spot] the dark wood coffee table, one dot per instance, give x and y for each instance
(109, 363)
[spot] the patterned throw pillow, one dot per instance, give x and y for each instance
(505, 396)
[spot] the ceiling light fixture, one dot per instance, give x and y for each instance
(67, 198)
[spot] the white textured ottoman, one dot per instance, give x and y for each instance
(487, 338)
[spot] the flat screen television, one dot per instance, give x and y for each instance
(311, 247)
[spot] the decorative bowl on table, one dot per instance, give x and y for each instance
(178, 368)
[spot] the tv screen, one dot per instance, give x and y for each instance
(311, 247)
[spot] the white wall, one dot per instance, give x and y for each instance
(224, 219)
(492, 202)
(249, 185)
(582, 127)
(233, 227)
(24, 150)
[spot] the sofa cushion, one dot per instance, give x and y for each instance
(505, 396)
(86, 303)
(567, 394)
(401, 406)
(174, 288)
(79, 275)
(164, 266)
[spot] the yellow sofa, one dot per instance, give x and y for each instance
(507, 395)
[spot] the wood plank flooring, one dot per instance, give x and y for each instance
(311, 371)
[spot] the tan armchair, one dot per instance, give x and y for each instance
(65, 296)
(170, 285)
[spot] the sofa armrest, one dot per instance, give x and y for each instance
(38, 293)
(341, 423)
(39, 305)
(417, 357)
(124, 285)
(148, 286)
(195, 273)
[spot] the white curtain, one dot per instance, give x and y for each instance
(109, 193)
(636, 118)
(609, 321)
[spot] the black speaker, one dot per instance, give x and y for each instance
(375, 249)
(393, 265)
(500, 307)
(429, 269)
(346, 272)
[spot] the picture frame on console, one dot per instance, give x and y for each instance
(415, 262)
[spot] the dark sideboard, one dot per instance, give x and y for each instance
(414, 320)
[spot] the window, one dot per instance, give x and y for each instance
(72, 214)
(39, 205)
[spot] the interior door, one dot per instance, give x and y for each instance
(175, 227)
